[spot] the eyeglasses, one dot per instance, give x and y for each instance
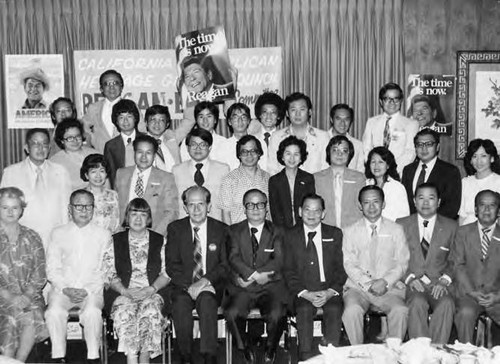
(425, 145)
(393, 100)
(246, 153)
(239, 118)
(201, 145)
(73, 138)
(254, 206)
(83, 208)
(111, 83)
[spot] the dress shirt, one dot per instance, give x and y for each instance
(430, 167)
(489, 234)
(369, 227)
(220, 151)
(204, 169)
(126, 137)
(318, 243)
(202, 234)
(258, 234)
(33, 172)
(75, 257)
(145, 177)
(107, 109)
(426, 232)
(169, 161)
(337, 193)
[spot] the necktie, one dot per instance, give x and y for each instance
(421, 176)
(387, 133)
(139, 186)
(424, 243)
(485, 243)
(198, 267)
(129, 141)
(255, 246)
(39, 184)
(266, 137)
(129, 153)
(373, 248)
(312, 258)
(198, 176)
(337, 192)
(160, 152)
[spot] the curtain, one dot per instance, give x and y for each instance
(333, 50)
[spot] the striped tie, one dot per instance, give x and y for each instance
(387, 133)
(485, 242)
(139, 186)
(198, 267)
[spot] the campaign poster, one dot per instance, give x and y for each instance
(33, 82)
(204, 70)
(430, 101)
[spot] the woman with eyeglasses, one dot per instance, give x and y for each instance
(106, 206)
(482, 166)
(69, 137)
(22, 277)
(381, 170)
(288, 187)
(135, 269)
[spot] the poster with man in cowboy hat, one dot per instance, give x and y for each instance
(33, 82)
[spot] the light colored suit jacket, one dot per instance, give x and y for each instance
(43, 213)
(402, 132)
(213, 173)
(95, 128)
(391, 259)
(437, 261)
(161, 194)
(353, 182)
(471, 273)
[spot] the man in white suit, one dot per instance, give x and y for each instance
(46, 185)
(200, 170)
(391, 129)
(376, 257)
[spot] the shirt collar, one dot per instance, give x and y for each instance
(202, 226)
(317, 229)
(258, 227)
(432, 220)
(34, 167)
(112, 103)
(310, 130)
(369, 224)
(125, 137)
(491, 227)
(430, 164)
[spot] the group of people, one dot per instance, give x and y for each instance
(144, 221)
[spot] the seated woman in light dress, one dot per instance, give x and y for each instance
(22, 277)
(135, 267)
(381, 170)
(106, 207)
(69, 137)
(482, 166)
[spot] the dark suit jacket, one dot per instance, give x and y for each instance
(437, 261)
(179, 254)
(269, 256)
(470, 272)
(446, 177)
(295, 254)
(280, 200)
(114, 155)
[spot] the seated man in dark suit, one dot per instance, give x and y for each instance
(196, 262)
(256, 259)
(429, 236)
(314, 273)
(429, 168)
(476, 263)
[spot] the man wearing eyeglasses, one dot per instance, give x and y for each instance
(429, 168)
(391, 129)
(74, 270)
(256, 260)
(200, 169)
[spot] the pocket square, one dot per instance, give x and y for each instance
(497, 239)
(269, 250)
(347, 181)
(444, 248)
(155, 183)
(327, 240)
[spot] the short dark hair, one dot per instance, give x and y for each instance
(33, 131)
(212, 107)
(421, 98)
(427, 131)
(138, 204)
(489, 148)
(125, 106)
(52, 108)
(389, 86)
(427, 185)
(292, 140)
(187, 191)
(158, 110)
(483, 192)
(371, 188)
(334, 109)
(298, 96)
(110, 72)
(81, 191)
(253, 190)
(245, 139)
(144, 138)
(189, 61)
(63, 126)
(387, 157)
(234, 107)
(203, 134)
(270, 98)
(90, 162)
(313, 196)
(336, 140)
